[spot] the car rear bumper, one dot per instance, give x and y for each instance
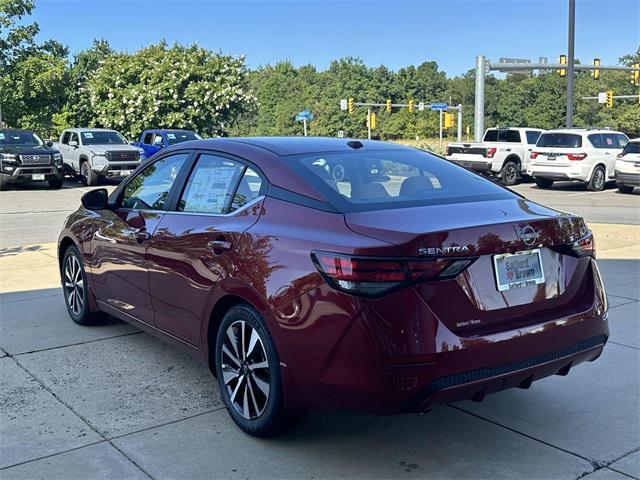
(476, 166)
(630, 179)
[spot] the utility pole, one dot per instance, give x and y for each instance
(478, 121)
(440, 129)
(570, 61)
(304, 123)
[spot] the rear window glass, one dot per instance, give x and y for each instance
(497, 135)
(378, 180)
(632, 147)
(563, 140)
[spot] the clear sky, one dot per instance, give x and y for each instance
(393, 33)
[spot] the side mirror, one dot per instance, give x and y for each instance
(49, 143)
(95, 199)
(73, 144)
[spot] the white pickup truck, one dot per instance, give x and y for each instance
(503, 152)
(92, 153)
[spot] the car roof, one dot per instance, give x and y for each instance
(16, 130)
(164, 130)
(579, 131)
(282, 146)
(87, 129)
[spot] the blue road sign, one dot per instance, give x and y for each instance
(304, 115)
(439, 106)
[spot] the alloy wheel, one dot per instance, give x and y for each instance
(74, 285)
(245, 369)
(599, 179)
(510, 174)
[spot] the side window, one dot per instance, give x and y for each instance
(513, 136)
(248, 189)
(613, 140)
(157, 140)
(147, 138)
(532, 137)
(622, 140)
(211, 185)
(149, 189)
(65, 138)
(596, 140)
(74, 138)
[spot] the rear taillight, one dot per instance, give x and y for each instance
(373, 277)
(490, 152)
(576, 156)
(534, 155)
(583, 247)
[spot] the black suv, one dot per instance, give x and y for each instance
(24, 157)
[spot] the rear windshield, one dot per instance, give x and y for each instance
(178, 137)
(102, 138)
(19, 138)
(631, 147)
(383, 179)
(497, 135)
(564, 140)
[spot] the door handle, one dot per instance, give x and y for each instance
(219, 246)
(142, 235)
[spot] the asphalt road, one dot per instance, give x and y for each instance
(33, 214)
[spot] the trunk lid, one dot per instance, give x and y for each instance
(484, 230)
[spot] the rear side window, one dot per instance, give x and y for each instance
(211, 185)
(532, 137)
(248, 189)
(560, 140)
(596, 140)
(631, 147)
(147, 138)
(614, 140)
(371, 180)
(498, 135)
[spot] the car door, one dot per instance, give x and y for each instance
(119, 245)
(72, 152)
(146, 144)
(612, 146)
(196, 242)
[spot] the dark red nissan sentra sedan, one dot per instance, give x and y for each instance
(405, 283)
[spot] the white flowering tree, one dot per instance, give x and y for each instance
(167, 87)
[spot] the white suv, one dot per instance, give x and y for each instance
(584, 154)
(627, 170)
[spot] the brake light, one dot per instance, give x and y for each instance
(374, 277)
(576, 156)
(490, 152)
(534, 155)
(583, 247)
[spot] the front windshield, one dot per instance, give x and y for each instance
(100, 137)
(20, 138)
(179, 137)
(383, 179)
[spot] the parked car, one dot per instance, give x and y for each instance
(581, 154)
(152, 141)
(627, 167)
(24, 157)
(94, 153)
(426, 286)
(503, 152)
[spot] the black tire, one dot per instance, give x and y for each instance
(56, 183)
(625, 188)
(242, 376)
(87, 175)
(543, 182)
(76, 289)
(510, 173)
(598, 180)
(4, 183)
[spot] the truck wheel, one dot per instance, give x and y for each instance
(596, 184)
(88, 176)
(510, 173)
(55, 183)
(543, 182)
(625, 188)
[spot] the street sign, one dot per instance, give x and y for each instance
(343, 104)
(340, 133)
(602, 97)
(421, 106)
(304, 115)
(439, 106)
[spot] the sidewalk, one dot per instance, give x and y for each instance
(35, 267)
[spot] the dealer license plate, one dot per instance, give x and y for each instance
(518, 269)
(37, 176)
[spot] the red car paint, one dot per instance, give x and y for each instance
(419, 345)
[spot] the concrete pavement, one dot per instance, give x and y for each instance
(112, 402)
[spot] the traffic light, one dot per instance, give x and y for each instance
(449, 120)
(411, 106)
(596, 71)
(563, 61)
(388, 106)
(609, 102)
(635, 75)
(372, 120)
(350, 105)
